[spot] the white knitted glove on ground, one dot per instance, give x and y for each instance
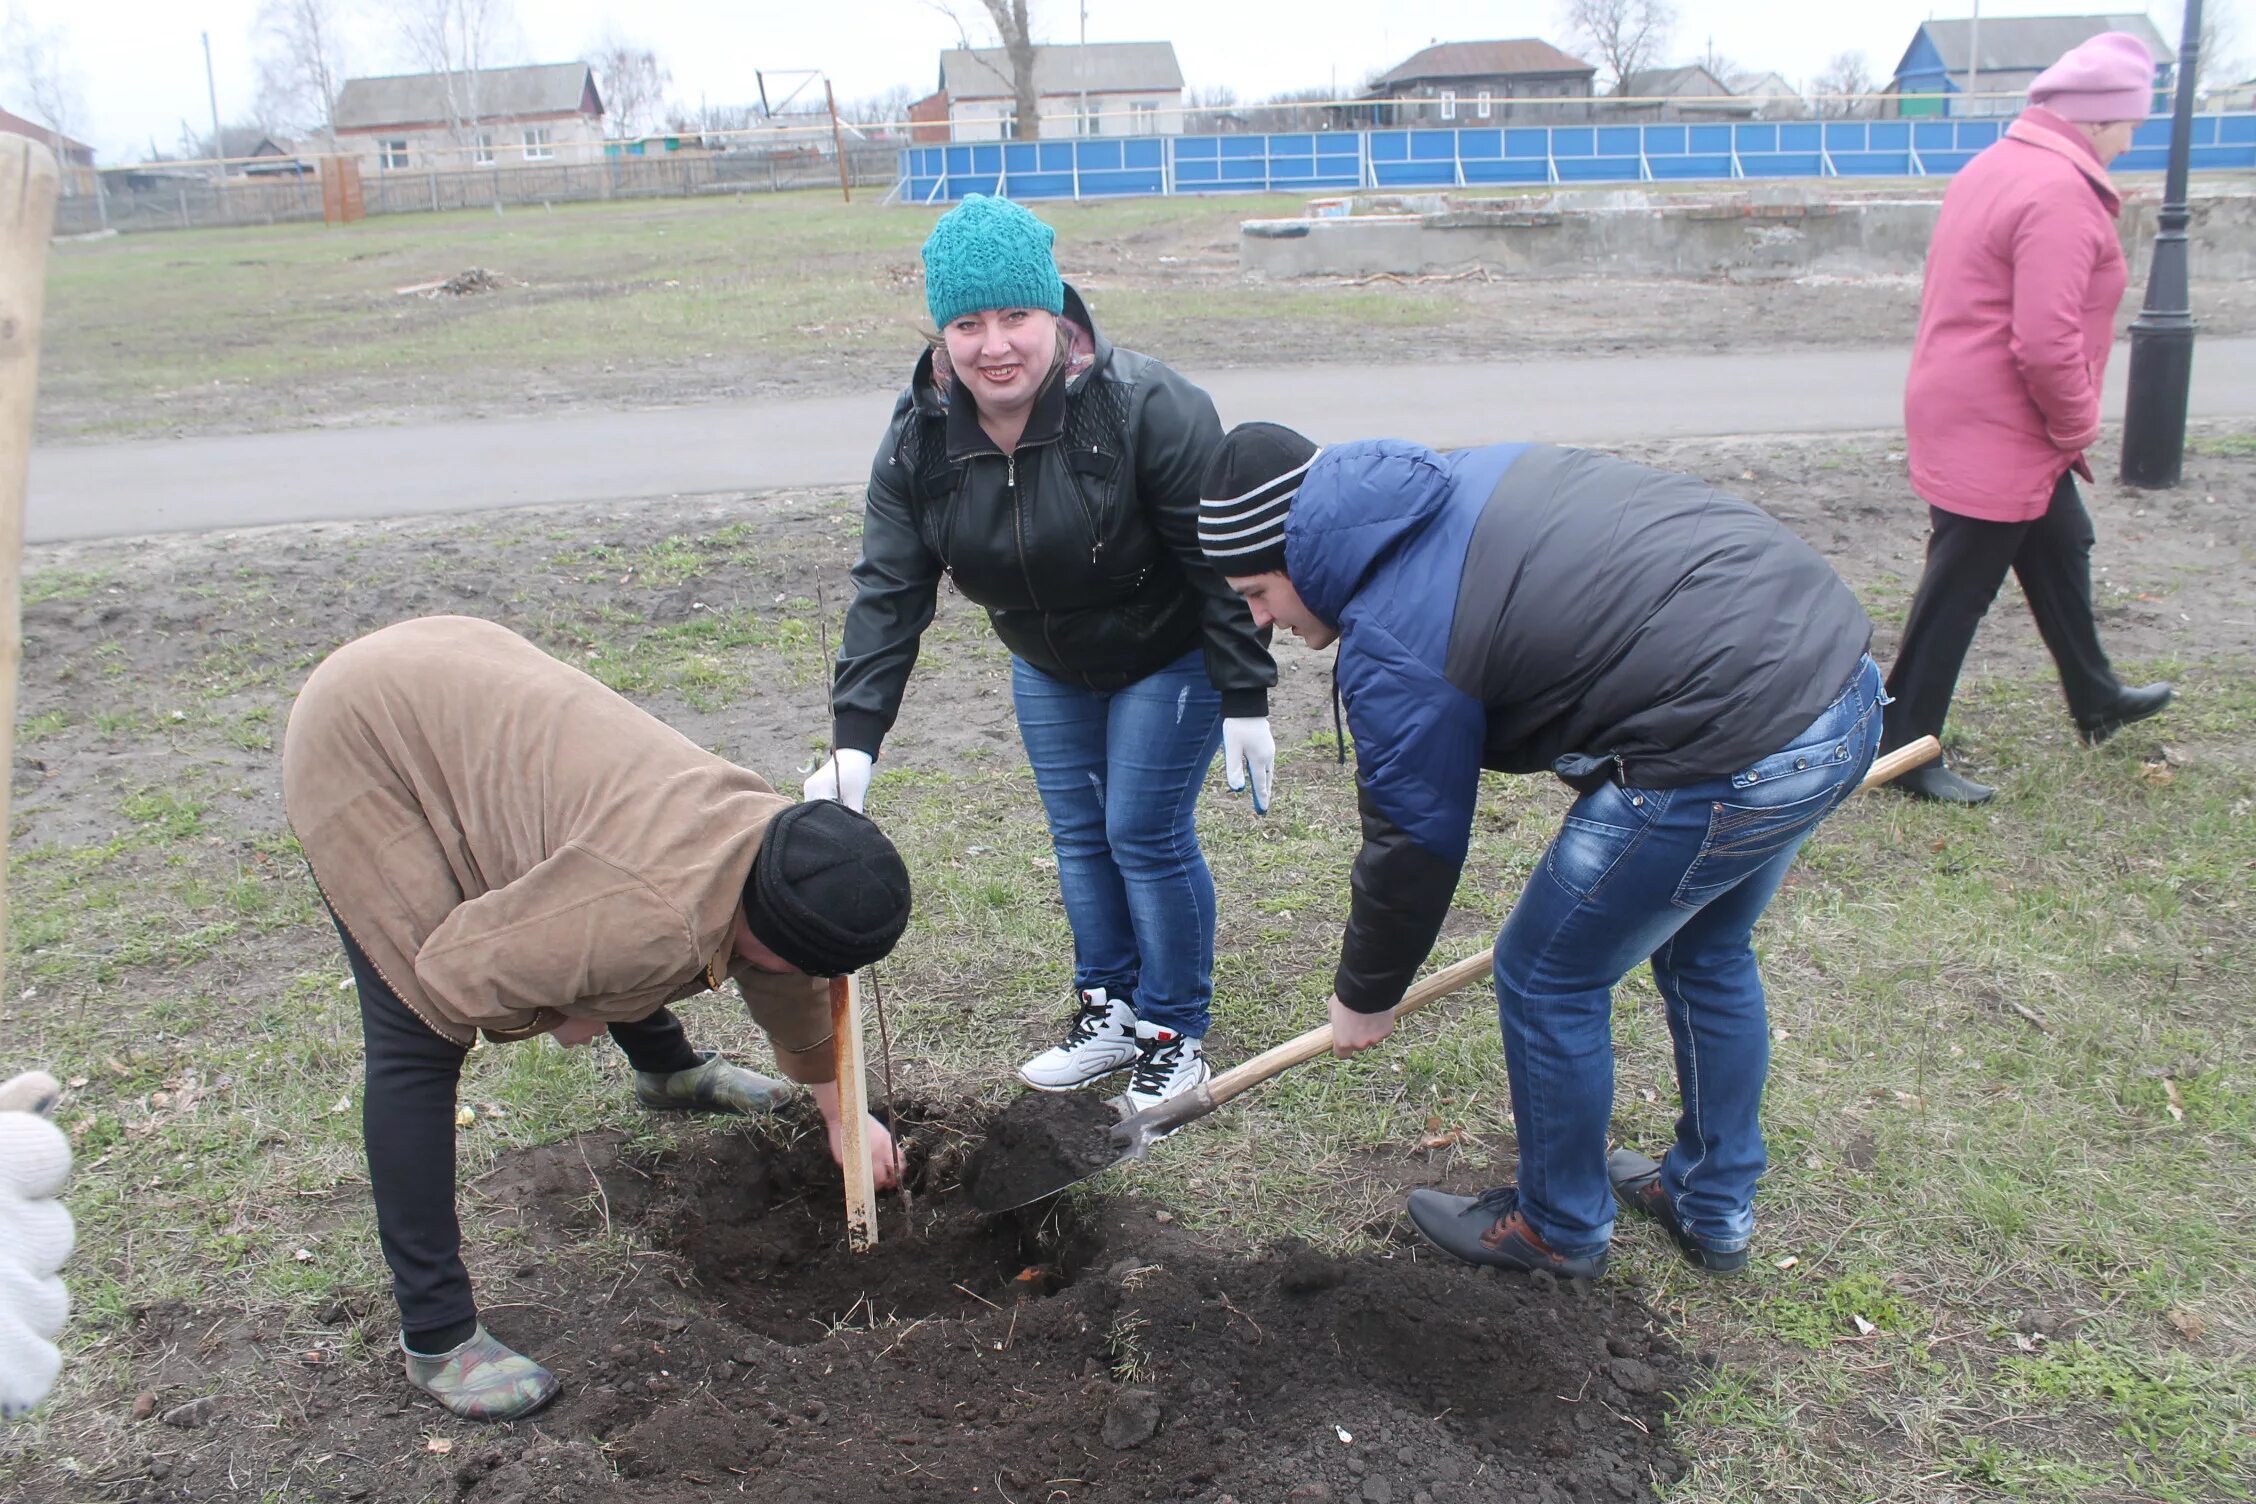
(35, 1237)
(1249, 756)
(844, 777)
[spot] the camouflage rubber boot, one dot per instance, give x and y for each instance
(713, 1086)
(482, 1379)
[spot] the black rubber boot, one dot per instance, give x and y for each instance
(2131, 705)
(1934, 781)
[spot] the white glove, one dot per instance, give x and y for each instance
(845, 777)
(35, 1237)
(1249, 748)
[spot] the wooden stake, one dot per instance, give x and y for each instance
(838, 144)
(853, 1114)
(29, 181)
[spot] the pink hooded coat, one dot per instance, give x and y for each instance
(2023, 280)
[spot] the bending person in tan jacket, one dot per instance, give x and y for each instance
(509, 847)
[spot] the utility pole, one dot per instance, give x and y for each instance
(219, 146)
(1081, 72)
(1973, 54)
(2154, 413)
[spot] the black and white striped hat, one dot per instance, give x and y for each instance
(1248, 488)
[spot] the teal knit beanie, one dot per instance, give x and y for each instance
(989, 253)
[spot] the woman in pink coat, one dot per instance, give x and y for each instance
(2018, 311)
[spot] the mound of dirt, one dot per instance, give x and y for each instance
(1038, 1146)
(1073, 1351)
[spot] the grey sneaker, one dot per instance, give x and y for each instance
(1491, 1229)
(713, 1086)
(1101, 1040)
(482, 1379)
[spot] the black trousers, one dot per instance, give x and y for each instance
(1966, 563)
(407, 1123)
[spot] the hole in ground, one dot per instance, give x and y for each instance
(761, 1220)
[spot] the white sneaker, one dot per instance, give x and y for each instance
(1101, 1041)
(1167, 1063)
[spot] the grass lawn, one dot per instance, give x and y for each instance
(2007, 1248)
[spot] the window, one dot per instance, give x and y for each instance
(1143, 118)
(391, 156)
(1485, 111)
(484, 151)
(1449, 104)
(538, 145)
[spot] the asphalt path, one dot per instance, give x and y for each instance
(193, 484)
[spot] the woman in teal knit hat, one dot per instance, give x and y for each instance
(1054, 479)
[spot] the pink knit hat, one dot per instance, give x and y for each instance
(2110, 77)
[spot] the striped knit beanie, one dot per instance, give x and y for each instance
(1248, 488)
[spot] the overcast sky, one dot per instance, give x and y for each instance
(139, 65)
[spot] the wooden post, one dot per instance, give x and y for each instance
(29, 184)
(853, 1113)
(838, 143)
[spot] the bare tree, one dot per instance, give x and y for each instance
(301, 66)
(2218, 37)
(1009, 17)
(1212, 111)
(633, 83)
(1296, 110)
(1844, 91)
(1008, 20)
(457, 40)
(1720, 68)
(886, 107)
(33, 59)
(1622, 36)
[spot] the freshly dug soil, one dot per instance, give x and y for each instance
(1079, 1351)
(1038, 1146)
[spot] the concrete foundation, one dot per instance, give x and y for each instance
(1768, 231)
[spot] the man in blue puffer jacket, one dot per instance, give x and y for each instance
(1692, 669)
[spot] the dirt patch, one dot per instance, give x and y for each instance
(1038, 1146)
(1079, 1351)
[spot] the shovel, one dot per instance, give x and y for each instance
(1133, 1136)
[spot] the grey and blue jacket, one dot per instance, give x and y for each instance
(1525, 608)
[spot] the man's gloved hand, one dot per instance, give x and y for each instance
(845, 777)
(1250, 755)
(35, 1237)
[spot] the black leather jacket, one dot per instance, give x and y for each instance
(1082, 545)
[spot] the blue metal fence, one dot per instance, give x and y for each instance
(1535, 156)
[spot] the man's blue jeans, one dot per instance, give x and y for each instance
(1120, 773)
(1678, 876)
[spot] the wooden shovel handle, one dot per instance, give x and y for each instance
(1318, 1041)
(1901, 761)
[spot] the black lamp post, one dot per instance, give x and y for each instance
(2154, 416)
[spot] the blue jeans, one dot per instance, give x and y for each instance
(1678, 876)
(1120, 772)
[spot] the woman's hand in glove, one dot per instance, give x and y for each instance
(1249, 757)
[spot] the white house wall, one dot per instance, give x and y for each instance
(576, 141)
(1116, 115)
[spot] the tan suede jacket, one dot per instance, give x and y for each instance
(512, 843)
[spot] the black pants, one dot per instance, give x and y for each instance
(407, 1123)
(1966, 563)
